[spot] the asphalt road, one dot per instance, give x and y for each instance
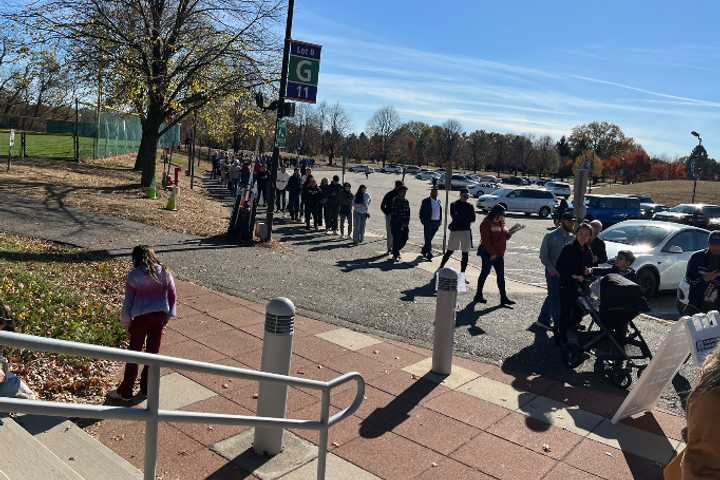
(331, 280)
(522, 261)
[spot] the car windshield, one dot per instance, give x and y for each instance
(635, 235)
(684, 209)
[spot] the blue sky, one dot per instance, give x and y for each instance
(528, 67)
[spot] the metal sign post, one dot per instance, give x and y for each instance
(11, 144)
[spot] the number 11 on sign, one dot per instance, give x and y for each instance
(301, 92)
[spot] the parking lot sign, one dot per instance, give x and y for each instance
(303, 72)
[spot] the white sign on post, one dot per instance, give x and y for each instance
(703, 332)
(662, 369)
(12, 138)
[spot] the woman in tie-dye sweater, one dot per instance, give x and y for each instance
(149, 304)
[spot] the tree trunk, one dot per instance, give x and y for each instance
(146, 154)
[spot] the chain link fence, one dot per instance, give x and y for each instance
(89, 135)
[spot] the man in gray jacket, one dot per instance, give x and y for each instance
(552, 245)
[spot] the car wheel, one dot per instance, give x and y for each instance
(544, 212)
(649, 282)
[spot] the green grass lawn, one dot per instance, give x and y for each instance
(61, 146)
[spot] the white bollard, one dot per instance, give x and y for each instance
(444, 321)
(277, 352)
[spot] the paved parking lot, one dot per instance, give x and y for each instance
(521, 261)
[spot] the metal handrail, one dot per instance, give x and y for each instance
(152, 414)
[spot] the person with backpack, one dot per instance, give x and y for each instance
(149, 304)
(399, 222)
(332, 204)
(312, 196)
(385, 207)
(294, 188)
(463, 216)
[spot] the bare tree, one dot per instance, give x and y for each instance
(449, 142)
(384, 124)
(336, 126)
(166, 58)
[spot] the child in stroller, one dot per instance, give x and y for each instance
(612, 302)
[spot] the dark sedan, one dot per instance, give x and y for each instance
(696, 214)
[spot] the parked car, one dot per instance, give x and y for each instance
(424, 174)
(559, 189)
(611, 209)
(525, 200)
(361, 169)
(513, 181)
(457, 182)
(390, 168)
(488, 179)
(699, 215)
(662, 250)
(648, 208)
(412, 169)
(479, 189)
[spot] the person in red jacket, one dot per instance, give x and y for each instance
(493, 240)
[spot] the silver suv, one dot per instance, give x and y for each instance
(525, 200)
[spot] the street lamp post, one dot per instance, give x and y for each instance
(694, 166)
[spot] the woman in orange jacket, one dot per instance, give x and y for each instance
(701, 458)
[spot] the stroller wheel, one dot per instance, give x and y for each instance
(620, 378)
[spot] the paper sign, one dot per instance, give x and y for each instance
(662, 369)
(703, 330)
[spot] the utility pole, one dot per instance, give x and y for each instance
(280, 111)
(697, 152)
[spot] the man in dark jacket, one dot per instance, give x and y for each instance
(332, 204)
(294, 188)
(263, 177)
(703, 275)
(573, 265)
(399, 221)
(463, 215)
(431, 218)
(385, 206)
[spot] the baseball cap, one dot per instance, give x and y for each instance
(567, 216)
(714, 238)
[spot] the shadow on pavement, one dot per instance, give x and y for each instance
(425, 291)
(371, 263)
(385, 419)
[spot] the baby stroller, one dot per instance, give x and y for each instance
(612, 338)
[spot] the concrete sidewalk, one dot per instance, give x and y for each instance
(479, 423)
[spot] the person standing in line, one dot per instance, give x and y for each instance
(703, 276)
(245, 175)
(332, 204)
(361, 205)
(550, 249)
(324, 193)
(235, 177)
(262, 177)
(573, 265)
(597, 245)
(294, 188)
(345, 202)
(493, 243)
(385, 207)
(148, 306)
(700, 460)
(280, 189)
(305, 173)
(431, 218)
(463, 215)
(399, 222)
(312, 196)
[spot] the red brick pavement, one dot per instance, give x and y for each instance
(407, 428)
